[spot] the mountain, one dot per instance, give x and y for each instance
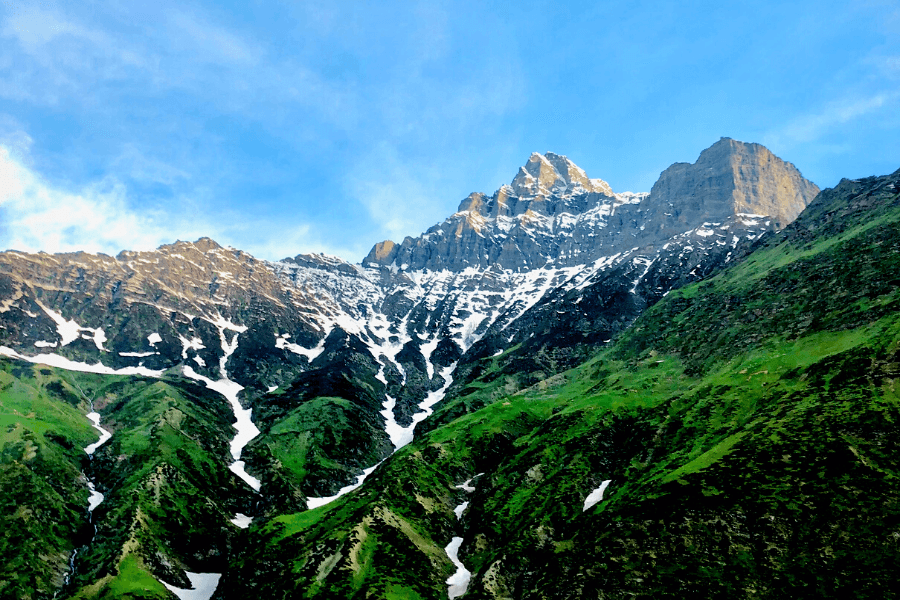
(538, 343)
(553, 215)
(739, 440)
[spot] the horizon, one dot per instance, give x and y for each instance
(327, 128)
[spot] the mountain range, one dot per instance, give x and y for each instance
(560, 391)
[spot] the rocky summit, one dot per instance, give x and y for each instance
(560, 391)
(552, 214)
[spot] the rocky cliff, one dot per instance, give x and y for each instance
(553, 214)
(730, 179)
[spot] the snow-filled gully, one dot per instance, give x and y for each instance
(399, 436)
(95, 497)
(204, 584)
(246, 429)
(458, 583)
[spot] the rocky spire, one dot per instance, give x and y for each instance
(554, 174)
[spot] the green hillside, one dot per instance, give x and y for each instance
(748, 425)
(169, 495)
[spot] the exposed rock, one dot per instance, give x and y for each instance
(553, 214)
(729, 179)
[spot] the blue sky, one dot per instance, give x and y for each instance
(329, 126)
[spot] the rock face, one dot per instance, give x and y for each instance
(729, 179)
(553, 214)
(551, 174)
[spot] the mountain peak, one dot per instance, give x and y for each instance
(733, 177)
(552, 211)
(554, 174)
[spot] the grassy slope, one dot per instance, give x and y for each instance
(748, 425)
(168, 493)
(318, 433)
(42, 493)
(315, 449)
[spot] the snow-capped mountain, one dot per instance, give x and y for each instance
(343, 364)
(419, 306)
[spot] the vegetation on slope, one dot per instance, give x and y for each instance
(169, 495)
(43, 493)
(748, 425)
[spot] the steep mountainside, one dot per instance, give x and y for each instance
(340, 365)
(739, 441)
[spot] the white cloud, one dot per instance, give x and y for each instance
(38, 216)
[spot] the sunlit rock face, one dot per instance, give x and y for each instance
(730, 179)
(553, 214)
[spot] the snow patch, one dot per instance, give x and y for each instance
(595, 496)
(404, 435)
(312, 503)
(95, 498)
(203, 586)
(647, 263)
(54, 360)
(67, 330)
(186, 344)
(242, 520)
(309, 353)
(427, 350)
(458, 583)
(395, 432)
(94, 417)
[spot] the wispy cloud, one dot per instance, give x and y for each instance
(811, 127)
(36, 215)
(209, 42)
(59, 59)
(35, 27)
(97, 219)
(401, 198)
